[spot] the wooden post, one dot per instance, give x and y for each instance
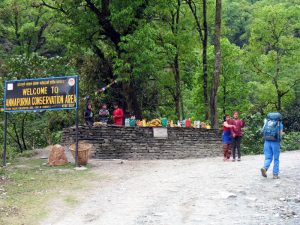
(5, 139)
(77, 121)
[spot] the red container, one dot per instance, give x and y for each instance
(188, 123)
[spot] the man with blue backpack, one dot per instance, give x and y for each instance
(272, 133)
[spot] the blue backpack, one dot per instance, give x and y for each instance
(271, 128)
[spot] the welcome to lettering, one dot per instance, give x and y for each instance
(35, 91)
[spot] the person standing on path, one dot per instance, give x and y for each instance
(237, 135)
(118, 115)
(272, 132)
(226, 137)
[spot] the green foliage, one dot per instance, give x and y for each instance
(11, 153)
(272, 54)
(260, 60)
(35, 66)
(291, 116)
(291, 141)
(237, 18)
(252, 141)
(28, 28)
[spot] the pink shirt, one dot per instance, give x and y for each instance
(239, 124)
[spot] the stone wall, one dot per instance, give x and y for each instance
(139, 143)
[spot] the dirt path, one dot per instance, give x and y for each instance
(192, 192)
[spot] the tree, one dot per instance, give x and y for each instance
(217, 67)
(233, 91)
(237, 17)
(203, 37)
(274, 50)
(25, 29)
(104, 24)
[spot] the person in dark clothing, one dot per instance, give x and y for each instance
(103, 114)
(88, 115)
(236, 135)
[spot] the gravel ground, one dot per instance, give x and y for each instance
(191, 192)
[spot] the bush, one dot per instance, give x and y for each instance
(11, 153)
(252, 142)
(290, 141)
(56, 137)
(28, 153)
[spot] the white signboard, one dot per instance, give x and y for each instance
(160, 132)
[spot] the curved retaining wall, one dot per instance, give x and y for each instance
(113, 142)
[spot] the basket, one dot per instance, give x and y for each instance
(84, 150)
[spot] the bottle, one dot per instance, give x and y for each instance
(183, 123)
(188, 123)
(178, 123)
(127, 122)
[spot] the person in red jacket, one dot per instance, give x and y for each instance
(118, 115)
(237, 134)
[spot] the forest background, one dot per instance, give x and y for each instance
(163, 54)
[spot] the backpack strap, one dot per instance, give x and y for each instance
(265, 122)
(279, 135)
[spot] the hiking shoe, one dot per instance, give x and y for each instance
(239, 159)
(263, 172)
(275, 176)
(233, 160)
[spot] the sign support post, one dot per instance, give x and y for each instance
(77, 118)
(5, 139)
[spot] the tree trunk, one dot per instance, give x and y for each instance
(278, 102)
(131, 99)
(17, 139)
(181, 106)
(177, 96)
(275, 82)
(103, 15)
(23, 131)
(224, 97)
(217, 67)
(204, 60)
(134, 99)
(177, 88)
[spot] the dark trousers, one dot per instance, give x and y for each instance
(89, 122)
(236, 145)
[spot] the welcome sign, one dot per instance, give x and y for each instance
(54, 93)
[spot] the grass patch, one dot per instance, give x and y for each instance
(28, 185)
(28, 153)
(71, 200)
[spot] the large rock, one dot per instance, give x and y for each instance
(57, 156)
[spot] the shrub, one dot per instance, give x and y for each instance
(290, 141)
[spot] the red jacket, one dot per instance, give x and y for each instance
(239, 124)
(118, 116)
